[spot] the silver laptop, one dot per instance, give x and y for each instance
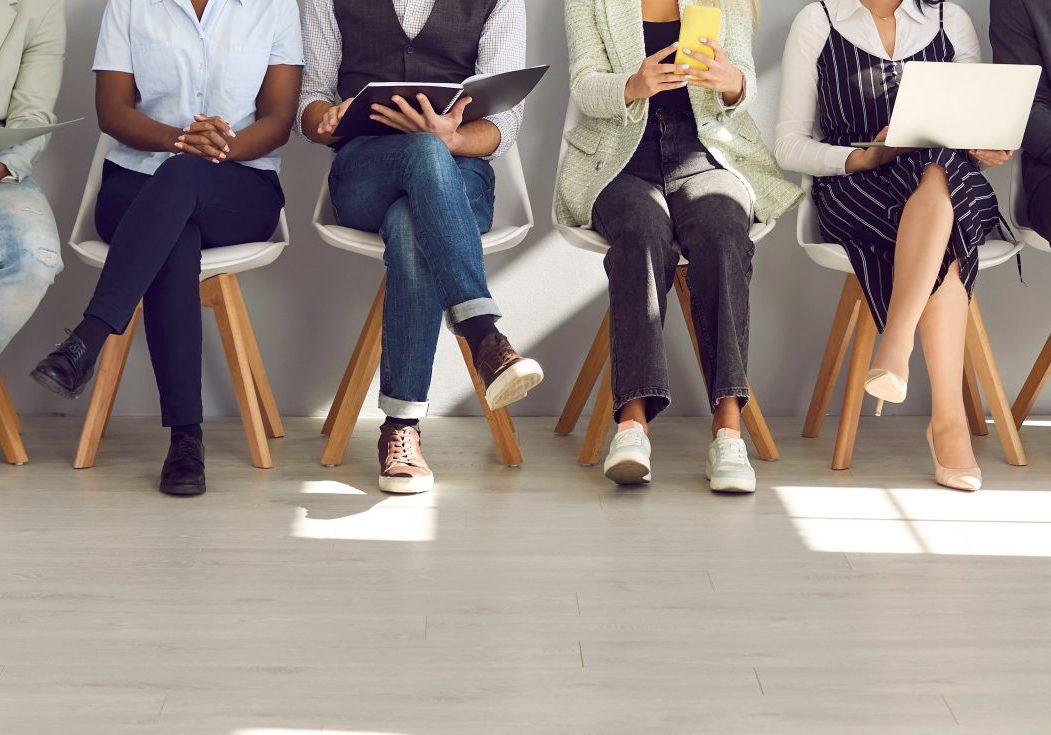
(965, 106)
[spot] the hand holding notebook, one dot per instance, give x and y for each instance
(490, 94)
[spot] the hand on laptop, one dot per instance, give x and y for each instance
(992, 159)
(869, 159)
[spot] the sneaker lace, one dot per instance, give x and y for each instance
(402, 448)
(734, 451)
(630, 438)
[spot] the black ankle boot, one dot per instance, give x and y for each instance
(67, 370)
(183, 472)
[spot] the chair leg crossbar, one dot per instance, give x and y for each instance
(255, 399)
(597, 365)
(853, 321)
(364, 362)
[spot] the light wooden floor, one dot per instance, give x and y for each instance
(537, 601)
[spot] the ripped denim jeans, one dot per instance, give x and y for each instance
(29, 254)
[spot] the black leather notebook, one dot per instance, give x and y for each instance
(491, 94)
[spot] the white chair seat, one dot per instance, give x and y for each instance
(834, 257)
(229, 259)
(512, 215)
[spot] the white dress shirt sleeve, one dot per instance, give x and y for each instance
(797, 149)
(323, 49)
(502, 48)
(964, 37)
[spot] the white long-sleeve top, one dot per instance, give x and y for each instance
(799, 147)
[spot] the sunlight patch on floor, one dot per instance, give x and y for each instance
(326, 731)
(869, 520)
(351, 514)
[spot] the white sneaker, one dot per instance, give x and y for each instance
(727, 468)
(628, 462)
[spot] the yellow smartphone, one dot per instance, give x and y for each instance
(698, 22)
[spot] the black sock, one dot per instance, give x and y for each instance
(193, 430)
(476, 329)
(392, 421)
(93, 332)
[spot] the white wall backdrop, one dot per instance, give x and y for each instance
(307, 308)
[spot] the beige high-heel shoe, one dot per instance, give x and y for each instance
(968, 479)
(886, 386)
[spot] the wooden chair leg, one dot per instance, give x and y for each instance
(854, 392)
(267, 403)
(221, 294)
(601, 417)
(1023, 405)
(499, 420)
(752, 416)
(972, 399)
(844, 324)
(590, 373)
(343, 416)
(108, 374)
(10, 426)
(982, 356)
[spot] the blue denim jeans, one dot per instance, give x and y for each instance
(29, 254)
(431, 209)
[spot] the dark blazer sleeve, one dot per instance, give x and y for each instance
(1020, 38)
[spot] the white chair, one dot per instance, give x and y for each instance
(10, 430)
(512, 221)
(1018, 216)
(854, 320)
(220, 291)
(597, 363)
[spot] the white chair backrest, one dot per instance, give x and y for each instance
(512, 207)
(808, 229)
(573, 118)
(84, 228)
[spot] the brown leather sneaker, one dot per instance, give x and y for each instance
(403, 470)
(508, 376)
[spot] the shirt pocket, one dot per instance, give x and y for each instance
(156, 70)
(243, 71)
(584, 139)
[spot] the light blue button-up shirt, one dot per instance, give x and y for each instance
(185, 67)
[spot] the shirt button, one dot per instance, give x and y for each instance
(198, 94)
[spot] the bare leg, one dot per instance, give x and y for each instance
(923, 234)
(635, 411)
(943, 331)
(727, 415)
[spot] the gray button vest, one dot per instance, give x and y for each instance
(376, 49)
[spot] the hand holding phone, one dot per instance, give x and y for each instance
(698, 22)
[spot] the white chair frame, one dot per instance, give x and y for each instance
(512, 221)
(220, 291)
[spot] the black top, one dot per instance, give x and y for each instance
(658, 36)
(1020, 31)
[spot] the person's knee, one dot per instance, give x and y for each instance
(183, 170)
(934, 178)
(427, 156)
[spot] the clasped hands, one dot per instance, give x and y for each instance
(407, 119)
(209, 137)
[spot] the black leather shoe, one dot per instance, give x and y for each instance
(183, 472)
(67, 370)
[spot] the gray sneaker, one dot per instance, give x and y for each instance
(727, 468)
(628, 462)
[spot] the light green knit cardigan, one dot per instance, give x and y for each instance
(606, 46)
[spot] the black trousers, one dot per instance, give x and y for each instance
(674, 199)
(156, 227)
(1040, 209)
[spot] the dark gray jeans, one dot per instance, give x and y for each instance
(671, 199)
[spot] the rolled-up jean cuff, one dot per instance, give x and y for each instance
(741, 394)
(657, 399)
(398, 409)
(469, 310)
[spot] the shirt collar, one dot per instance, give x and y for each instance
(848, 8)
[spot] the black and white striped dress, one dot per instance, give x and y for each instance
(861, 211)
